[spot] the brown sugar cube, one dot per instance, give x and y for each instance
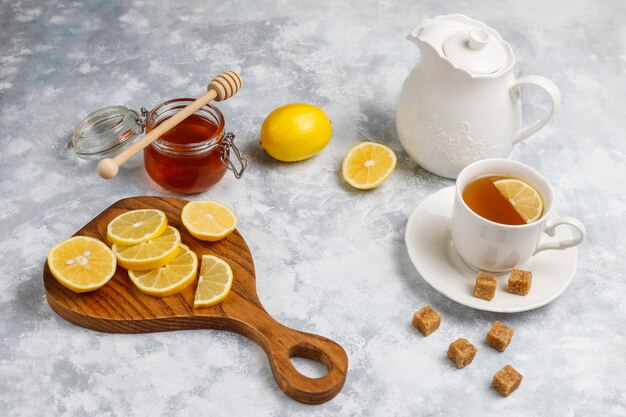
(426, 320)
(519, 282)
(461, 352)
(485, 286)
(506, 380)
(499, 336)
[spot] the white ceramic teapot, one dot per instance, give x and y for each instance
(461, 103)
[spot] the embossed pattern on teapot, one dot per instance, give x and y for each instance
(461, 103)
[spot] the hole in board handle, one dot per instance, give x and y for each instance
(309, 367)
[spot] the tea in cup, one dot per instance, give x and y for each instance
(501, 210)
(505, 200)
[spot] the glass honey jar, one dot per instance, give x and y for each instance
(190, 158)
(193, 155)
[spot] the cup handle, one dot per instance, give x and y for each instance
(550, 228)
(549, 87)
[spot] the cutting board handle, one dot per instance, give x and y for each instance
(282, 343)
(291, 343)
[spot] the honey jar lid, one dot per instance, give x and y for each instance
(106, 132)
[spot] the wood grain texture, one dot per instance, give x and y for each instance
(119, 307)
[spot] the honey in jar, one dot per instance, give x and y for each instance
(192, 156)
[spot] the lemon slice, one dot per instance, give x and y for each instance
(208, 220)
(368, 164)
(216, 278)
(82, 263)
(150, 254)
(136, 226)
(169, 279)
(524, 198)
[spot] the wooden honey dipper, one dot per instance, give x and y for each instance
(220, 88)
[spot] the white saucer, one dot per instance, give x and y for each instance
(431, 251)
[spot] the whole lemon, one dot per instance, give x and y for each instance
(295, 132)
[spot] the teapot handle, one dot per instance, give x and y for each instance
(549, 87)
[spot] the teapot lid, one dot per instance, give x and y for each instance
(467, 44)
(474, 50)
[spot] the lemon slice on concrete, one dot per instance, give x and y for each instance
(169, 279)
(208, 220)
(368, 164)
(524, 198)
(150, 254)
(82, 263)
(216, 278)
(136, 226)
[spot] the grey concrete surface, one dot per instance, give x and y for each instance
(330, 260)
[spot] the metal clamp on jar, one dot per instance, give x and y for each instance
(185, 149)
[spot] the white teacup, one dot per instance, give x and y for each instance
(497, 247)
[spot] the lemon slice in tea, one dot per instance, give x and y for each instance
(524, 198)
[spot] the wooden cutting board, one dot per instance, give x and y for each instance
(119, 307)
